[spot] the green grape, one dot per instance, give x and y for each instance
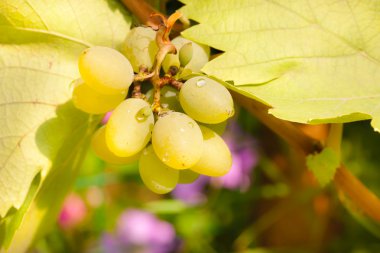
(200, 53)
(89, 100)
(216, 159)
(206, 100)
(105, 70)
(129, 127)
(157, 176)
(217, 128)
(140, 47)
(177, 140)
(169, 98)
(185, 54)
(101, 149)
(187, 176)
(171, 60)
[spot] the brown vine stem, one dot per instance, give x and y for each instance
(165, 47)
(142, 10)
(344, 180)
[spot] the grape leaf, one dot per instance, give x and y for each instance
(323, 165)
(42, 134)
(311, 61)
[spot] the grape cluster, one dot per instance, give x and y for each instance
(172, 129)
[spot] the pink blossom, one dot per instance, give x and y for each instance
(73, 212)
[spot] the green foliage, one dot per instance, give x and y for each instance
(323, 165)
(312, 61)
(43, 136)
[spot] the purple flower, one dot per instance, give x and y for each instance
(140, 232)
(192, 194)
(244, 158)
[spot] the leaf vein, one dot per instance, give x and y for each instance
(36, 70)
(344, 40)
(54, 34)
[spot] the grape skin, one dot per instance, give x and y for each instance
(169, 61)
(219, 128)
(99, 145)
(157, 176)
(90, 101)
(129, 127)
(187, 176)
(206, 100)
(216, 159)
(140, 47)
(105, 70)
(177, 140)
(200, 56)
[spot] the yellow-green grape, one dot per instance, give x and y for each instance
(157, 176)
(168, 98)
(101, 149)
(206, 100)
(105, 70)
(185, 54)
(171, 60)
(216, 159)
(177, 140)
(217, 128)
(200, 53)
(140, 47)
(187, 176)
(90, 101)
(129, 127)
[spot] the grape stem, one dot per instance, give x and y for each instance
(164, 47)
(344, 180)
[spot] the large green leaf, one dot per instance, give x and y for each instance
(312, 61)
(42, 134)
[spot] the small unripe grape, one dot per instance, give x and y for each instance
(186, 54)
(105, 70)
(187, 176)
(101, 149)
(200, 53)
(206, 100)
(216, 159)
(177, 140)
(140, 47)
(90, 101)
(171, 60)
(156, 175)
(129, 127)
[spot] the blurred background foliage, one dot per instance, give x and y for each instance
(269, 202)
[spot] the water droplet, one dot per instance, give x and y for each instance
(191, 124)
(143, 113)
(165, 158)
(182, 130)
(140, 117)
(201, 82)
